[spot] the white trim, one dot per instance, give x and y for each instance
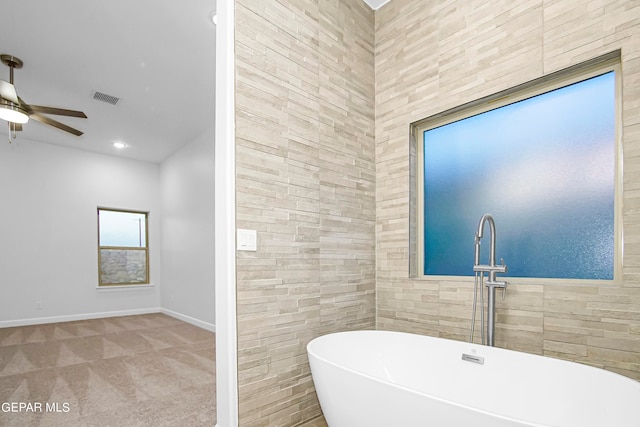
(75, 317)
(105, 314)
(225, 202)
(199, 323)
(123, 287)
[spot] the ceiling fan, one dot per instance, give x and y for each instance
(17, 112)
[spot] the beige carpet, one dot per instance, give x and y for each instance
(147, 370)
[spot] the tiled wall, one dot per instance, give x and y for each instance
(305, 176)
(435, 55)
(332, 207)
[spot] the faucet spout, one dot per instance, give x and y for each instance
(479, 234)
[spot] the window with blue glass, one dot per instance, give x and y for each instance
(544, 167)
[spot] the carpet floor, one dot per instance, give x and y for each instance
(146, 370)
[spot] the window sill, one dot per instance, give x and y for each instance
(124, 287)
(613, 283)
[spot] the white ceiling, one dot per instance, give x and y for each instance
(158, 56)
(376, 4)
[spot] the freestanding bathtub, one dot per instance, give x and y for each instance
(392, 379)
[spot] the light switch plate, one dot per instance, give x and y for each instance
(247, 240)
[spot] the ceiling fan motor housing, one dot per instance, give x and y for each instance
(15, 110)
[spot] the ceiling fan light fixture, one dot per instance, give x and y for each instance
(14, 110)
(11, 112)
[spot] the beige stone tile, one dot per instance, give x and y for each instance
(431, 57)
(325, 96)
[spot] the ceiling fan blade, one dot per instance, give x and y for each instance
(55, 123)
(8, 92)
(57, 111)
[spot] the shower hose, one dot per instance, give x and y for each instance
(478, 282)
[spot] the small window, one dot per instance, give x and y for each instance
(123, 253)
(543, 162)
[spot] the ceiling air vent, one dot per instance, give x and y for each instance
(109, 99)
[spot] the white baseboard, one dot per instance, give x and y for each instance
(199, 323)
(86, 316)
(73, 317)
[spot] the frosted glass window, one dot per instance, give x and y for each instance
(544, 168)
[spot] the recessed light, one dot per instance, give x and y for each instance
(214, 18)
(119, 145)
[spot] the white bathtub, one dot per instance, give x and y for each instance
(392, 379)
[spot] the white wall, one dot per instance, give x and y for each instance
(187, 182)
(48, 231)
